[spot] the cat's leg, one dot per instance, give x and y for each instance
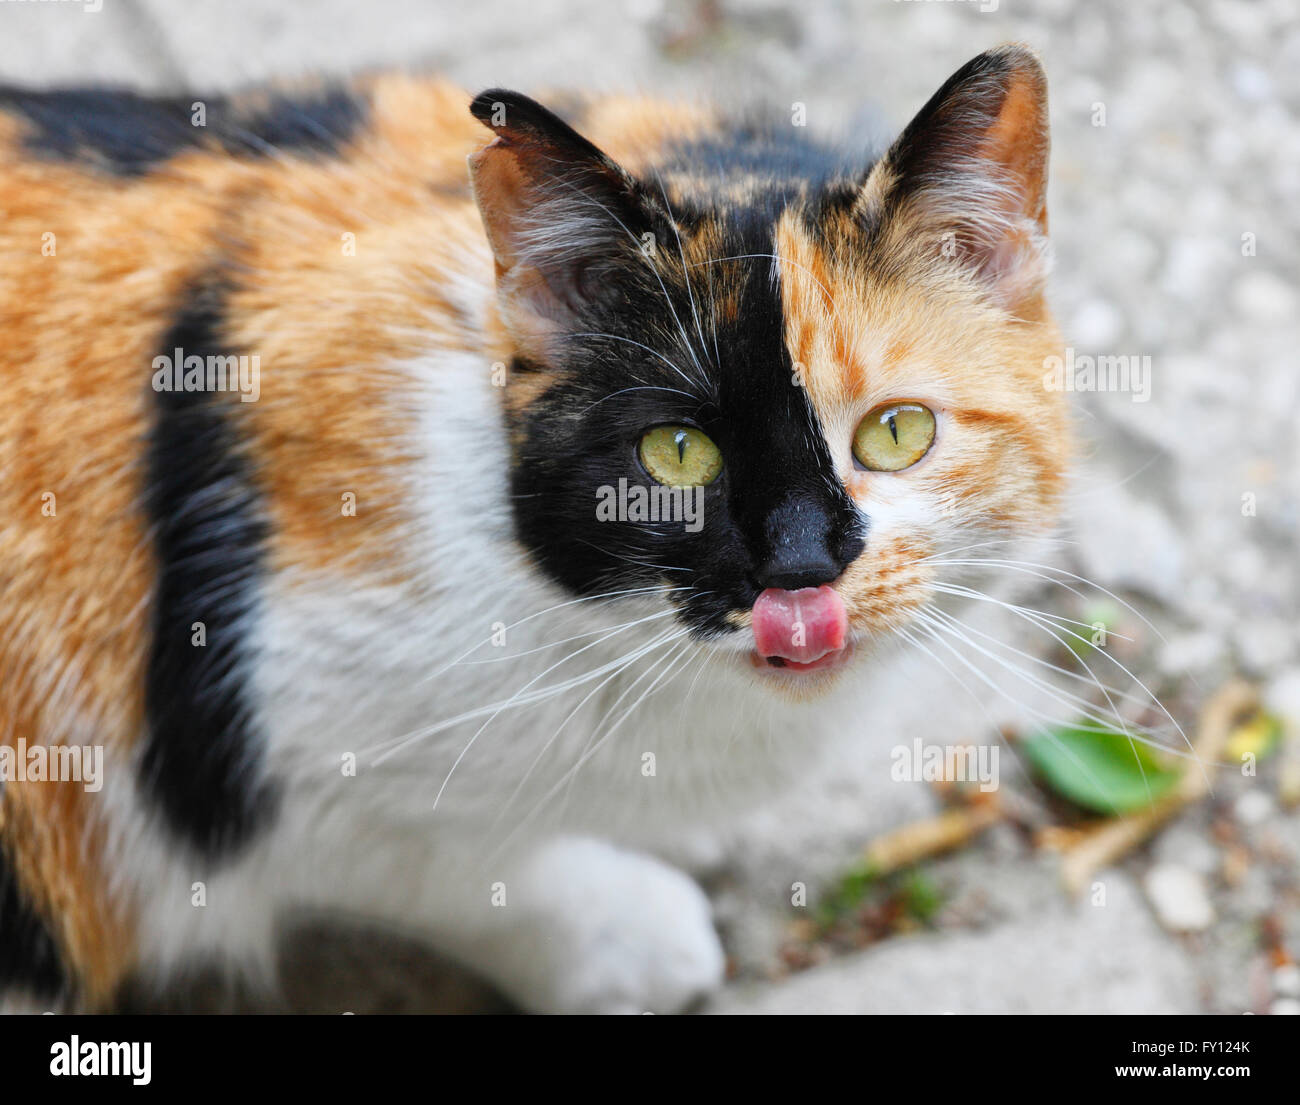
(577, 925)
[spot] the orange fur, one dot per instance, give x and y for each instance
(863, 340)
(78, 331)
(331, 329)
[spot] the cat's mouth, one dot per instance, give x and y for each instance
(800, 631)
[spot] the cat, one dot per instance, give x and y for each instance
(447, 546)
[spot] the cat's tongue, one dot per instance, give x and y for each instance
(801, 626)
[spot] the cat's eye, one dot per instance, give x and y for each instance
(893, 437)
(680, 456)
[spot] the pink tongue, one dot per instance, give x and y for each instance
(799, 625)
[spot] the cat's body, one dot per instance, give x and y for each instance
(344, 644)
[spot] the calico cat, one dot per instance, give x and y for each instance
(446, 547)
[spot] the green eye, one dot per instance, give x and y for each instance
(894, 437)
(680, 456)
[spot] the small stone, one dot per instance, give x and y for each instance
(1190, 266)
(1187, 847)
(1286, 981)
(1252, 83)
(1264, 297)
(1264, 645)
(1096, 325)
(1254, 807)
(1179, 898)
(1190, 653)
(1282, 697)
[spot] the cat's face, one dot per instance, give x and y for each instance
(778, 389)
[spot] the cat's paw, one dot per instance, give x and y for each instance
(624, 933)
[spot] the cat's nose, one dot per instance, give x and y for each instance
(793, 569)
(806, 546)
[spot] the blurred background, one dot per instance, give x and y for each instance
(1173, 202)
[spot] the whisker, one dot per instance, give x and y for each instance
(990, 544)
(686, 275)
(650, 590)
(395, 744)
(1024, 566)
(960, 590)
(631, 659)
(1040, 619)
(938, 638)
(606, 715)
(639, 345)
(465, 751)
(643, 387)
(1064, 697)
(1093, 682)
(585, 199)
(566, 640)
(572, 772)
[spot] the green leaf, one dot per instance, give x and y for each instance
(1100, 770)
(922, 899)
(846, 895)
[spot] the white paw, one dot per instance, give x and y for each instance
(622, 933)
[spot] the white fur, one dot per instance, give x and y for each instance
(342, 670)
(518, 839)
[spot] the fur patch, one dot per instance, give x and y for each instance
(129, 134)
(201, 761)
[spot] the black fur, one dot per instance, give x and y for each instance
(29, 957)
(777, 516)
(129, 134)
(202, 760)
(953, 121)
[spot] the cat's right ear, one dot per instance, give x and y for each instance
(559, 215)
(968, 176)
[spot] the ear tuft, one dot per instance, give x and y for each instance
(970, 172)
(557, 213)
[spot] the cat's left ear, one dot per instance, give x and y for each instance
(559, 214)
(968, 176)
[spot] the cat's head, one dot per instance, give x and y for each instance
(824, 374)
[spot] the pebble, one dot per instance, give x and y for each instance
(1187, 847)
(1096, 325)
(1286, 981)
(1252, 83)
(1264, 645)
(1282, 697)
(1264, 297)
(1179, 897)
(1253, 808)
(1191, 652)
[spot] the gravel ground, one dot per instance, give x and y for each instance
(1176, 172)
